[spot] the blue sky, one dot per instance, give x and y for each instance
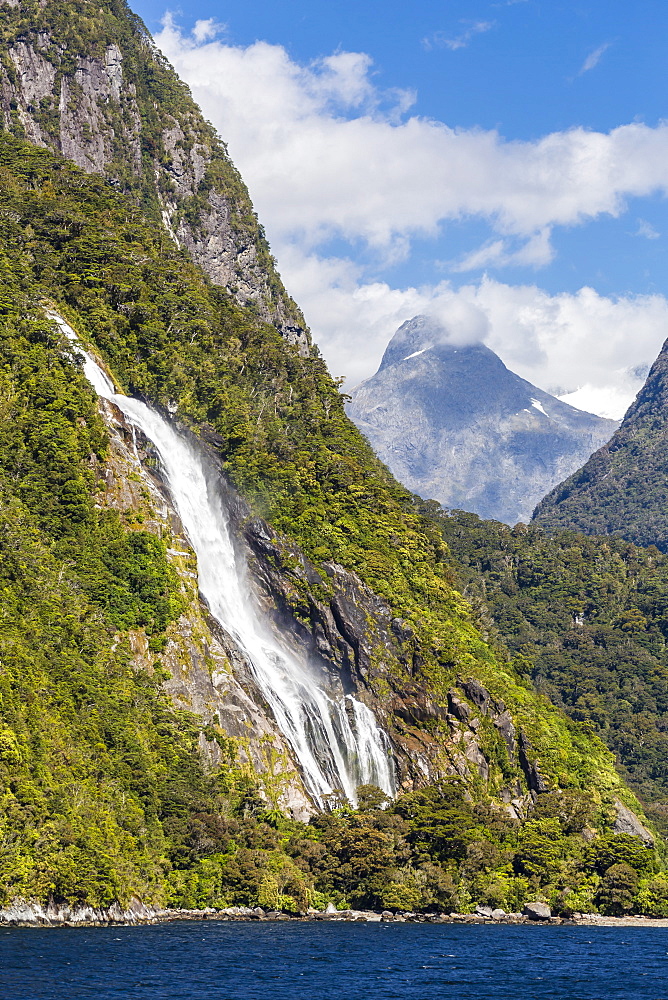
(503, 165)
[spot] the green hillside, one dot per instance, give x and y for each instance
(622, 489)
(104, 792)
(589, 615)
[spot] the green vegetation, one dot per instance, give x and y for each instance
(93, 759)
(431, 851)
(277, 419)
(103, 791)
(587, 616)
(621, 490)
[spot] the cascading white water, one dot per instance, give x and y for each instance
(336, 741)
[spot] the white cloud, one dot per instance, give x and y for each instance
(537, 251)
(440, 40)
(594, 58)
(582, 343)
(327, 154)
(205, 30)
(566, 342)
(647, 230)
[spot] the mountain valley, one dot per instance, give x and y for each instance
(140, 754)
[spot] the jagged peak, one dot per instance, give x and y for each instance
(453, 423)
(424, 333)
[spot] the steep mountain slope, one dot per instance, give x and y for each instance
(622, 489)
(84, 78)
(453, 424)
(389, 625)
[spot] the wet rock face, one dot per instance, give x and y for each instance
(348, 635)
(93, 109)
(351, 634)
(204, 672)
(338, 621)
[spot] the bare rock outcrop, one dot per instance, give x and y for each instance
(114, 106)
(31, 913)
(627, 822)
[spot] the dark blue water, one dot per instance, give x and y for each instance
(220, 961)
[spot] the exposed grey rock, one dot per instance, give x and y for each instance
(458, 708)
(474, 754)
(535, 779)
(455, 425)
(628, 822)
(478, 694)
(93, 109)
(504, 724)
(30, 913)
(537, 911)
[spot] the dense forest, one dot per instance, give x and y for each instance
(589, 617)
(104, 791)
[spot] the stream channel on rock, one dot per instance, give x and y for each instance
(335, 741)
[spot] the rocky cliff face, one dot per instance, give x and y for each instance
(622, 489)
(453, 424)
(346, 568)
(86, 80)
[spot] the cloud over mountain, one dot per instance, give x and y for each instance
(338, 169)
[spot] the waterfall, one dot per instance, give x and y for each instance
(336, 740)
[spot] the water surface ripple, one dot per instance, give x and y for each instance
(248, 961)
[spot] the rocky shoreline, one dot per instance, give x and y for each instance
(30, 914)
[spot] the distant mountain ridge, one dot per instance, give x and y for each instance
(455, 425)
(623, 488)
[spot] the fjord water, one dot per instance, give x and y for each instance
(336, 740)
(219, 961)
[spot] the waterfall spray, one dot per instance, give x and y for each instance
(336, 740)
